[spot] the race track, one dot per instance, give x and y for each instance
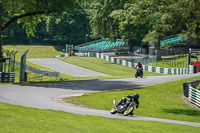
(66, 68)
(50, 95)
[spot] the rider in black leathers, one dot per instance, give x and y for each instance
(135, 99)
(139, 65)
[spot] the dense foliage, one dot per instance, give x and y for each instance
(145, 20)
(30, 13)
(136, 20)
(68, 28)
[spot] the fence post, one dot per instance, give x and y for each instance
(41, 77)
(23, 66)
(185, 89)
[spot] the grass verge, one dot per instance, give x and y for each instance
(36, 51)
(105, 67)
(161, 101)
(18, 119)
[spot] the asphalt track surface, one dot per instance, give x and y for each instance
(51, 95)
(66, 68)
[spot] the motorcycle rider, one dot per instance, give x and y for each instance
(139, 65)
(135, 99)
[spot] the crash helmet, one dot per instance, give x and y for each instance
(136, 96)
(139, 62)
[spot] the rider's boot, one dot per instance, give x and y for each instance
(132, 113)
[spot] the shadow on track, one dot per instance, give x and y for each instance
(94, 85)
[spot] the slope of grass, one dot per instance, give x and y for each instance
(177, 59)
(18, 119)
(105, 67)
(162, 101)
(34, 51)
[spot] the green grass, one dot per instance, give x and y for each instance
(161, 101)
(34, 51)
(105, 67)
(94, 63)
(177, 59)
(17, 119)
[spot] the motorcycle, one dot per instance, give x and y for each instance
(139, 72)
(124, 106)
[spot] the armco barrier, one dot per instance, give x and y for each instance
(41, 71)
(145, 67)
(0, 76)
(7, 77)
(190, 91)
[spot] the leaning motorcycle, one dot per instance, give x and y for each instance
(124, 106)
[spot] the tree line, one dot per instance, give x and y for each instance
(145, 20)
(68, 28)
(62, 22)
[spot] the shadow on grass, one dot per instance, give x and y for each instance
(183, 112)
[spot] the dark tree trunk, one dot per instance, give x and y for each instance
(158, 44)
(1, 50)
(1, 23)
(146, 47)
(198, 41)
(131, 44)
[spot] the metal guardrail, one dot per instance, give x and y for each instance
(190, 91)
(0, 76)
(42, 72)
(7, 77)
(194, 96)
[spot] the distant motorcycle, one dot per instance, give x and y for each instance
(125, 106)
(139, 72)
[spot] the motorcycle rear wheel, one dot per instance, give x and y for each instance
(128, 111)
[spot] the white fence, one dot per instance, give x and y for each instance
(190, 91)
(194, 96)
(145, 67)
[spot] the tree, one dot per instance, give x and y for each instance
(189, 12)
(146, 20)
(30, 12)
(103, 25)
(132, 23)
(70, 28)
(118, 19)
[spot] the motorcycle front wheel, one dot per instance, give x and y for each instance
(113, 111)
(128, 111)
(136, 75)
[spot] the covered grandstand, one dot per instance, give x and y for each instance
(149, 55)
(103, 45)
(174, 39)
